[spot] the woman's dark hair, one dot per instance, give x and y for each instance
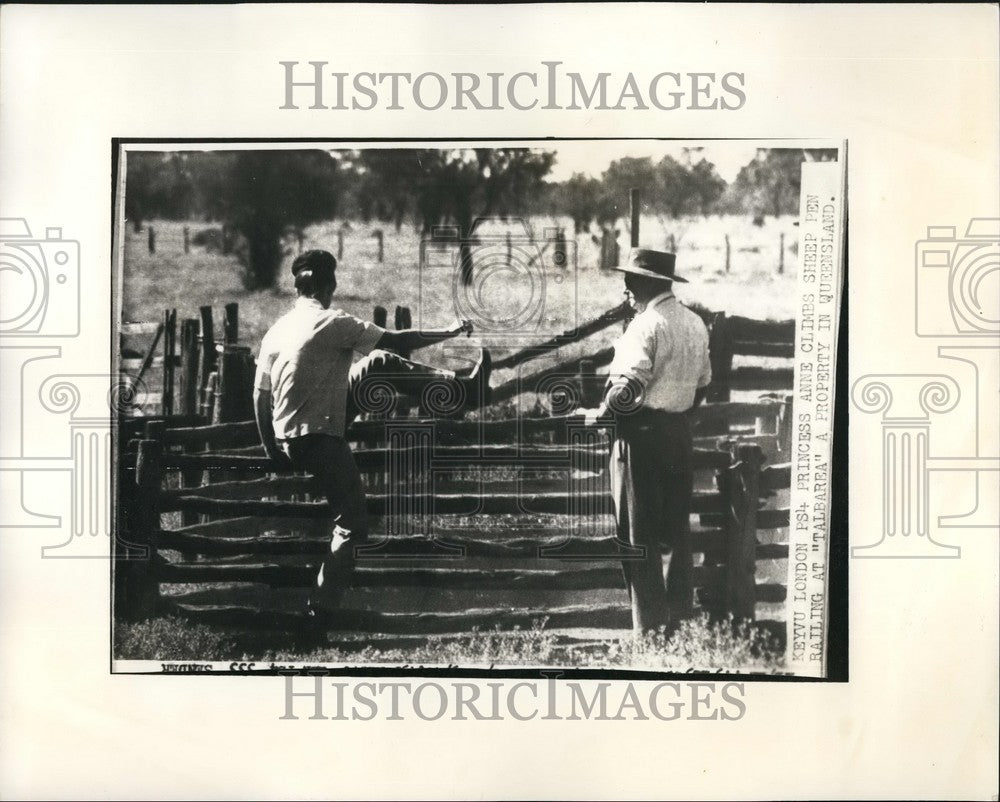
(314, 272)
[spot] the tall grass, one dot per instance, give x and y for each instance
(698, 644)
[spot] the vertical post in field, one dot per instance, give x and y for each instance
(634, 206)
(727, 253)
(231, 325)
(151, 239)
(379, 239)
(380, 317)
(208, 356)
(189, 367)
(169, 353)
(187, 239)
(340, 244)
(781, 253)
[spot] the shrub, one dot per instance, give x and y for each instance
(171, 638)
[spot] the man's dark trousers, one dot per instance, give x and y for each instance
(652, 482)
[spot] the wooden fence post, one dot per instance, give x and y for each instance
(169, 353)
(403, 320)
(380, 317)
(230, 385)
(231, 325)
(143, 590)
(590, 391)
(187, 239)
(741, 550)
(208, 394)
(244, 404)
(785, 426)
(727, 253)
(340, 244)
(151, 239)
(634, 204)
(208, 356)
(189, 367)
(671, 244)
(378, 238)
(720, 350)
(781, 253)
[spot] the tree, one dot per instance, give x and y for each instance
(460, 185)
(770, 184)
(384, 184)
(623, 175)
(707, 187)
(270, 194)
(581, 197)
(156, 185)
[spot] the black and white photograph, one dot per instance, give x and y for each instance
(394, 387)
(495, 405)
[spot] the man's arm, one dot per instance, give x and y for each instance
(265, 426)
(410, 339)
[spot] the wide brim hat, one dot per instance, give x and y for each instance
(655, 264)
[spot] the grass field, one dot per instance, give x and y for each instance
(753, 287)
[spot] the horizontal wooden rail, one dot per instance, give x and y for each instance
(535, 382)
(422, 577)
(411, 504)
(438, 578)
(242, 433)
(606, 616)
(752, 377)
(766, 519)
(609, 318)
(785, 350)
(748, 329)
(438, 457)
(558, 547)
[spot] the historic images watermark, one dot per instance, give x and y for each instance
(40, 308)
(553, 699)
(957, 301)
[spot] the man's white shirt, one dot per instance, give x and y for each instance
(665, 351)
(305, 361)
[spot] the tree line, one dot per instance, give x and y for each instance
(264, 196)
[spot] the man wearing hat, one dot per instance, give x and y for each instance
(307, 392)
(659, 373)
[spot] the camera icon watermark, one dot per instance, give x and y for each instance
(39, 282)
(500, 277)
(958, 281)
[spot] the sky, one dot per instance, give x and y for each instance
(593, 157)
(590, 157)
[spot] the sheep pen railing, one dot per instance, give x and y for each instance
(549, 538)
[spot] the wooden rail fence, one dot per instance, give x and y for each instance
(262, 526)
